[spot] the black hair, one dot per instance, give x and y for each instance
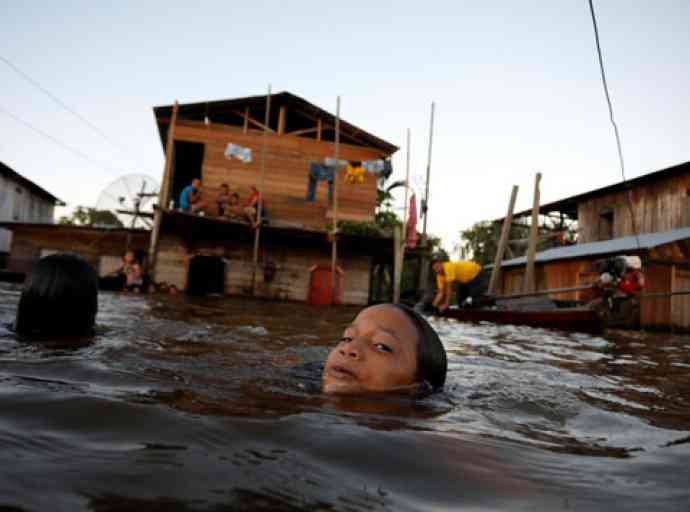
(432, 363)
(235, 194)
(59, 298)
(224, 185)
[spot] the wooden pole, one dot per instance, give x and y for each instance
(424, 274)
(398, 255)
(281, 120)
(530, 284)
(334, 242)
(503, 242)
(428, 170)
(262, 179)
(163, 193)
(400, 235)
(245, 126)
(552, 291)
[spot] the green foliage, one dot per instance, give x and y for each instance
(481, 241)
(83, 216)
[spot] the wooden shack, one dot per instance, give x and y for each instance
(103, 248)
(208, 254)
(660, 205)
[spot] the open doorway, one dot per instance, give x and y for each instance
(187, 162)
(206, 276)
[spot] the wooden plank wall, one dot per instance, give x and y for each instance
(560, 274)
(28, 243)
(656, 313)
(680, 304)
(292, 276)
(658, 206)
(287, 170)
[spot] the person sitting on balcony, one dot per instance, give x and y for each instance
(222, 199)
(190, 199)
(251, 208)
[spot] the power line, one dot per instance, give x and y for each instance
(612, 119)
(63, 105)
(58, 142)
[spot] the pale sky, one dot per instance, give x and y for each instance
(516, 85)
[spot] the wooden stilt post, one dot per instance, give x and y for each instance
(262, 179)
(503, 242)
(334, 242)
(424, 274)
(245, 126)
(530, 284)
(163, 193)
(399, 236)
(398, 255)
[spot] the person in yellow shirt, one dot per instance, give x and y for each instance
(463, 274)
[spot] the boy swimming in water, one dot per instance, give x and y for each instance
(387, 348)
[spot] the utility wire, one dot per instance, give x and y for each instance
(613, 121)
(58, 142)
(63, 105)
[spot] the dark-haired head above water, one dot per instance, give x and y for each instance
(59, 298)
(387, 348)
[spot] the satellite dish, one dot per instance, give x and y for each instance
(130, 198)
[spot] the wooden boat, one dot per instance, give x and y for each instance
(565, 319)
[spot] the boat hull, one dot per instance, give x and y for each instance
(566, 319)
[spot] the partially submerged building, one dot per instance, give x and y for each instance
(102, 247)
(659, 203)
(222, 142)
(22, 200)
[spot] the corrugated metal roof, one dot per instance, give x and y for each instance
(617, 245)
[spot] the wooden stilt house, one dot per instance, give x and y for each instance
(228, 142)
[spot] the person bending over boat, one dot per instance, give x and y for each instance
(387, 348)
(463, 274)
(59, 298)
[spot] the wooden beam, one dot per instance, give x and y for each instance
(304, 131)
(254, 122)
(245, 127)
(398, 256)
(259, 206)
(281, 120)
(163, 194)
(334, 247)
(319, 128)
(503, 242)
(530, 279)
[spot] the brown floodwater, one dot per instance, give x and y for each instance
(213, 404)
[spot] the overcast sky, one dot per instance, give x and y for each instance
(516, 85)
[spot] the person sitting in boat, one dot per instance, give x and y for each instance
(463, 274)
(387, 348)
(190, 198)
(632, 281)
(59, 298)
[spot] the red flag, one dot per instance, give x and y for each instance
(412, 223)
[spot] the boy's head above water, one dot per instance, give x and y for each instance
(387, 348)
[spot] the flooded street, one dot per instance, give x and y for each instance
(213, 404)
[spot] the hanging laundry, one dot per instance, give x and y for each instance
(330, 162)
(318, 172)
(373, 166)
(411, 234)
(354, 173)
(239, 152)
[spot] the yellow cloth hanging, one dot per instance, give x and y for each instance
(354, 175)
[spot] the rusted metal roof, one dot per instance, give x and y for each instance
(617, 245)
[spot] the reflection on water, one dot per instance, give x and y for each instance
(203, 404)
